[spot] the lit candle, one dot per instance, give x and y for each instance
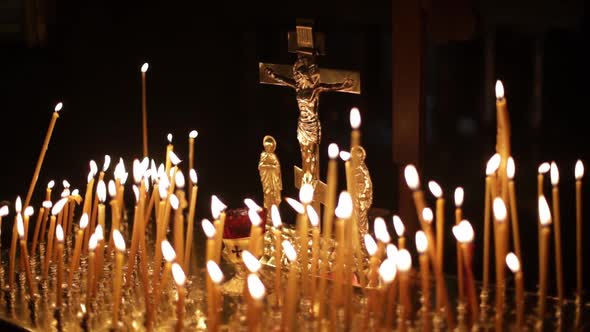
(314, 220)
(169, 149)
(100, 251)
(50, 186)
(115, 215)
(41, 225)
(191, 148)
(510, 170)
(55, 210)
(101, 193)
(169, 256)
(328, 218)
(342, 212)
(305, 196)
(13, 244)
(557, 230)
(579, 173)
(178, 228)
(257, 291)
(387, 272)
(413, 182)
(514, 266)
(88, 195)
(374, 261)
(54, 117)
(91, 278)
(437, 192)
(217, 211)
(209, 231)
(545, 221)
(400, 229)
(459, 195)
(391, 301)
(191, 219)
(144, 69)
(382, 236)
(501, 243)
(117, 280)
(404, 264)
(464, 234)
(59, 235)
(25, 257)
(491, 168)
(543, 169)
(29, 211)
(255, 246)
(78, 246)
(3, 213)
(277, 224)
(216, 277)
(502, 138)
(422, 247)
(179, 279)
(290, 307)
(355, 123)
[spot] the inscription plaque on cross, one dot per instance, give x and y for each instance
(309, 81)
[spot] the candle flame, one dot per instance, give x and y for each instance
(83, 308)
(136, 193)
(193, 175)
(370, 244)
(381, 232)
(499, 208)
(89, 177)
(463, 232)
(459, 195)
(306, 193)
(554, 174)
(421, 242)
(298, 207)
(216, 207)
(18, 205)
(544, 212)
(579, 170)
(180, 181)
(250, 261)
(20, 226)
(4, 211)
(93, 168)
(101, 191)
(387, 271)
(255, 287)
(167, 251)
(119, 170)
(493, 164)
(107, 162)
(45, 204)
(193, 134)
(99, 232)
(289, 251)
(398, 225)
(435, 189)
(314, 219)
(208, 228)
(178, 274)
(355, 118)
(92, 242)
(59, 234)
(252, 205)
(254, 217)
(499, 90)
(145, 67)
(404, 260)
(29, 211)
(333, 151)
(58, 107)
(112, 188)
(163, 189)
(510, 168)
(57, 207)
(174, 202)
(65, 193)
(513, 262)
(153, 170)
(137, 171)
(391, 251)
(75, 192)
(84, 221)
(544, 168)
(344, 155)
(51, 184)
(275, 216)
(344, 207)
(214, 272)
(412, 178)
(169, 138)
(118, 239)
(427, 215)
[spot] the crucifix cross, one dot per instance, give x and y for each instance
(237, 251)
(308, 81)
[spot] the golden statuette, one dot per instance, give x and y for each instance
(363, 191)
(269, 168)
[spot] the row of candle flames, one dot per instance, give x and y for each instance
(389, 266)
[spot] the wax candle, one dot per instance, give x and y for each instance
(169, 257)
(491, 168)
(404, 264)
(54, 117)
(44, 213)
(400, 229)
(387, 272)
(464, 234)
(579, 173)
(191, 220)
(29, 211)
(3, 213)
(255, 245)
(55, 210)
(437, 192)
(100, 251)
(503, 137)
(257, 292)
(314, 220)
(391, 301)
(25, 257)
(278, 237)
(179, 279)
(13, 244)
(178, 228)
(514, 265)
(290, 307)
(191, 149)
(209, 231)
(115, 215)
(59, 235)
(144, 69)
(501, 246)
(217, 211)
(554, 172)
(459, 195)
(117, 279)
(216, 277)
(422, 247)
(305, 196)
(169, 149)
(373, 283)
(339, 262)
(77, 248)
(382, 236)
(355, 123)
(413, 182)
(510, 170)
(545, 221)
(542, 170)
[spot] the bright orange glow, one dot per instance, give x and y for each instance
(254, 217)
(427, 215)
(216, 207)
(289, 251)
(579, 171)
(493, 164)
(554, 174)
(355, 118)
(499, 90)
(398, 225)
(84, 221)
(314, 219)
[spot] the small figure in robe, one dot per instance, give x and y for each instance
(270, 173)
(363, 188)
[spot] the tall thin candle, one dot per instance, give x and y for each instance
(510, 170)
(278, 237)
(545, 221)
(144, 69)
(179, 279)
(191, 149)
(422, 247)
(514, 265)
(459, 195)
(501, 243)
(437, 192)
(191, 220)
(579, 173)
(59, 235)
(491, 168)
(289, 309)
(215, 277)
(400, 229)
(464, 234)
(118, 277)
(557, 231)
(404, 264)
(25, 257)
(77, 248)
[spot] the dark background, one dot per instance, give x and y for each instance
(204, 75)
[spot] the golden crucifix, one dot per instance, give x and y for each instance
(304, 77)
